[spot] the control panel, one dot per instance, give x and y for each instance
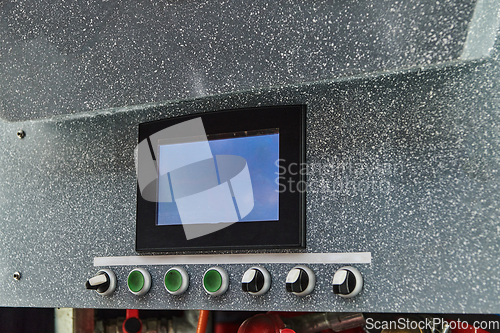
(215, 181)
(374, 193)
(256, 281)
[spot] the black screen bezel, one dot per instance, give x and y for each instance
(287, 232)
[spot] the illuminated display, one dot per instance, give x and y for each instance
(236, 183)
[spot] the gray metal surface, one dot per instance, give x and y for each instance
(404, 164)
(63, 58)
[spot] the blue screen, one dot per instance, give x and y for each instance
(237, 184)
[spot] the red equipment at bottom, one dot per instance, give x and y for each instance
(263, 323)
(464, 327)
(132, 323)
(309, 323)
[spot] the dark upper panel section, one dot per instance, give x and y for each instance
(61, 57)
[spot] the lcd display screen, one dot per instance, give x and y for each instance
(223, 178)
(215, 180)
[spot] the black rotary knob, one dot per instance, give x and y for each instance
(297, 281)
(300, 281)
(256, 281)
(347, 282)
(104, 282)
(99, 282)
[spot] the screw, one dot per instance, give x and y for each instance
(21, 134)
(17, 276)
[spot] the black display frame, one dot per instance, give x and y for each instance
(287, 232)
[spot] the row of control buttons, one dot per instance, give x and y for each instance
(300, 281)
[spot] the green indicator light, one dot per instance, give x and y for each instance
(212, 280)
(173, 280)
(135, 281)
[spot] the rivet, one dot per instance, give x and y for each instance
(17, 276)
(21, 134)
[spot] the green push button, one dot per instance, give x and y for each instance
(173, 280)
(135, 281)
(212, 280)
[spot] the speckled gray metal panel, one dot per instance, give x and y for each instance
(60, 57)
(404, 164)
